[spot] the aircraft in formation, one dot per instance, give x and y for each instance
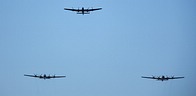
(87, 11)
(83, 10)
(162, 78)
(44, 76)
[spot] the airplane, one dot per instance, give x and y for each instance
(162, 78)
(44, 76)
(83, 10)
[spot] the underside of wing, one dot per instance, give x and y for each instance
(149, 77)
(30, 75)
(71, 9)
(94, 9)
(59, 76)
(176, 77)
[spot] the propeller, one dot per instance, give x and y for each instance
(88, 9)
(78, 9)
(35, 75)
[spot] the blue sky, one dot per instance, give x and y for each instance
(102, 54)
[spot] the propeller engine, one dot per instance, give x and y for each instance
(78, 9)
(35, 75)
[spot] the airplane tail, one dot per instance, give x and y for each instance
(83, 13)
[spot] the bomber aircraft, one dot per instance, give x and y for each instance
(162, 78)
(44, 76)
(83, 10)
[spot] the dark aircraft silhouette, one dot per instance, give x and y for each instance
(44, 76)
(162, 78)
(83, 10)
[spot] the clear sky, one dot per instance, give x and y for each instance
(104, 53)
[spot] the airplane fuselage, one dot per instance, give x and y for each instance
(163, 78)
(44, 77)
(83, 11)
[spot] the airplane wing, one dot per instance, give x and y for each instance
(176, 77)
(94, 9)
(71, 9)
(149, 77)
(56, 76)
(31, 75)
(59, 76)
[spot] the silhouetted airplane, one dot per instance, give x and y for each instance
(44, 76)
(162, 78)
(83, 10)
